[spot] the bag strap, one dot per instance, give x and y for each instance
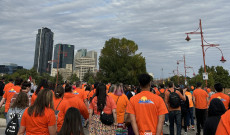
(59, 104)
(117, 99)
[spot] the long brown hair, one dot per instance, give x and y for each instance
(44, 100)
(59, 92)
(22, 101)
(72, 123)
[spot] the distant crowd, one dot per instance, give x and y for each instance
(113, 109)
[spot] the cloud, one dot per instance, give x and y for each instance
(158, 27)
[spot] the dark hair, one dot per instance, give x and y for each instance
(170, 84)
(72, 123)
(26, 84)
(162, 85)
(78, 84)
(198, 84)
(44, 100)
(216, 108)
(68, 88)
(101, 97)
(18, 81)
(59, 91)
(11, 80)
(144, 80)
(88, 88)
(43, 84)
(21, 101)
(95, 85)
(218, 87)
(51, 85)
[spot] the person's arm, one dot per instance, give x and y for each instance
(86, 103)
(2, 101)
(134, 124)
(90, 115)
(52, 129)
(115, 116)
(161, 119)
(22, 130)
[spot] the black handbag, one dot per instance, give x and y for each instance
(106, 119)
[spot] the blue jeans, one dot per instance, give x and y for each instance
(190, 116)
(175, 116)
(166, 117)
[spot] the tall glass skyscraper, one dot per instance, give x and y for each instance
(43, 50)
(66, 55)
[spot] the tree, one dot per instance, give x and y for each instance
(222, 76)
(120, 63)
(87, 76)
(73, 78)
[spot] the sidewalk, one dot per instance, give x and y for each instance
(2, 122)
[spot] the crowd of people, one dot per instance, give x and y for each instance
(110, 109)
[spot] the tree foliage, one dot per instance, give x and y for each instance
(73, 78)
(89, 77)
(120, 63)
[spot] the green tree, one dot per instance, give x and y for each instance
(87, 76)
(222, 76)
(120, 63)
(91, 80)
(73, 78)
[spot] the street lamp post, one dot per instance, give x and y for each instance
(202, 45)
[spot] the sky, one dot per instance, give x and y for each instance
(157, 26)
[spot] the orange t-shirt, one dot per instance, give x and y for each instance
(80, 93)
(87, 94)
(200, 98)
(8, 95)
(158, 92)
(121, 102)
(167, 94)
(208, 90)
(92, 92)
(62, 108)
(34, 96)
(189, 95)
(223, 97)
(110, 105)
(38, 125)
(8, 86)
(75, 101)
(224, 125)
(146, 106)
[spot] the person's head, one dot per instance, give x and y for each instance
(43, 84)
(68, 88)
(21, 101)
(51, 85)
(144, 80)
(78, 84)
(198, 84)
(59, 92)
(43, 100)
(95, 85)
(216, 107)
(88, 88)
(101, 97)
(170, 84)
(11, 80)
(111, 89)
(188, 88)
(218, 87)
(118, 90)
(72, 124)
(26, 86)
(162, 86)
(18, 81)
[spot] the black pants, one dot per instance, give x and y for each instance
(184, 117)
(200, 118)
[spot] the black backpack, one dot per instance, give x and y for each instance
(184, 105)
(174, 99)
(13, 126)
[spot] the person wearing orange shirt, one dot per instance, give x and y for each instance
(80, 93)
(101, 103)
(190, 110)
(9, 85)
(41, 86)
(146, 110)
(121, 101)
(39, 118)
(92, 92)
(223, 97)
(223, 127)
(174, 111)
(61, 106)
(200, 98)
(75, 101)
(10, 93)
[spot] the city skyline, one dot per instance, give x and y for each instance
(158, 27)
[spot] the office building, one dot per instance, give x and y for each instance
(84, 62)
(9, 68)
(43, 50)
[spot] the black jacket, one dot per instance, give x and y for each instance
(215, 110)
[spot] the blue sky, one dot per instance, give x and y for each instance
(157, 27)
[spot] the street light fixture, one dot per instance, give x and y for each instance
(202, 45)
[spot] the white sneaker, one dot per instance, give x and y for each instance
(185, 133)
